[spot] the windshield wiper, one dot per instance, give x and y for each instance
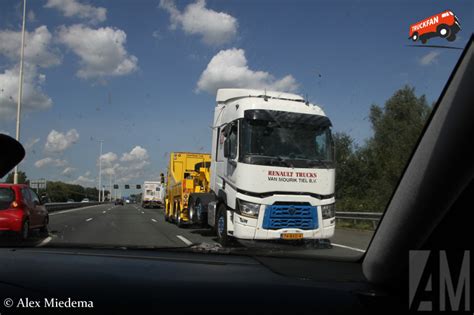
(270, 159)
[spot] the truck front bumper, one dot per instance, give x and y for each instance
(249, 229)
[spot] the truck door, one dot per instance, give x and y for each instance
(231, 150)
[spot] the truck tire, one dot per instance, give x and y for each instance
(179, 221)
(192, 210)
(221, 225)
(444, 30)
(198, 207)
(451, 38)
(414, 37)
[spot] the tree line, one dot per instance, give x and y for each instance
(57, 191)
(367, 174)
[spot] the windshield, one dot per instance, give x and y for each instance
(265, 141)
(224, 125)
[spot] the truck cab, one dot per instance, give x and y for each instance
(272, 168)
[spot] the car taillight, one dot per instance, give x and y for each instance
(15, 204)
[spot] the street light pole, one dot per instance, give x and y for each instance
(100, 168)
(20, 86)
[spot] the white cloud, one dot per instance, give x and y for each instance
(38, 47)
(68, 171)
(215, 28)
(31, 142)
(101, 51)
(84, 180)
(50, 161)
(229, 69)
(58, 142)
(131, 165)
(157, 34)
(33, 99)
(73, 8)
(430, 58)
(108, 159)
(38, 53)
(136, 154)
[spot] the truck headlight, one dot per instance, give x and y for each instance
(248, 209)
(328, 211)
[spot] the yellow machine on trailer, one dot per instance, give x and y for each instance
(187, 188)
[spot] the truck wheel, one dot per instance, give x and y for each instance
(414, 37)
(444, 31)
(179, 221)
(200, 217)
(424, 40)
(451, 38)
(192, 210)
(221, 226)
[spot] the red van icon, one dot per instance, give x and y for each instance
(444, 24)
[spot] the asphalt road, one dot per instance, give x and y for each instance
(130, 225)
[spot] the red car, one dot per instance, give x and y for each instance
(21, 210)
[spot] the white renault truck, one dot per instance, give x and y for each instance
(272, 168)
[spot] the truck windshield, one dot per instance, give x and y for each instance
(267, 142)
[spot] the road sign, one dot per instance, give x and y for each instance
(38, 184)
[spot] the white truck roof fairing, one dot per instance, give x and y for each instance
(225, 95)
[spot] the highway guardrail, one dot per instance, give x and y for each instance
(374, 217)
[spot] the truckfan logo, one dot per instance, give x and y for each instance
(444, 24)
(437, 283)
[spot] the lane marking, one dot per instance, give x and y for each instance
(88, 219)
(348, 247)
(185, 240)
(72, 210)
(44, 242)
(104, 211)
(143, 212)
(154, 220)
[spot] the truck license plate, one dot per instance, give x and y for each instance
(291, 236)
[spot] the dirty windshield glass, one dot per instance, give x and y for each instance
(278, 127)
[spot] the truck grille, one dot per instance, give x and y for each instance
(290, 216)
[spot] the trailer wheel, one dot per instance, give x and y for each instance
(221, 225)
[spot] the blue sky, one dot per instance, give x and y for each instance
(141, 75)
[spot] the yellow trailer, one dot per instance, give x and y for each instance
(187, 188)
